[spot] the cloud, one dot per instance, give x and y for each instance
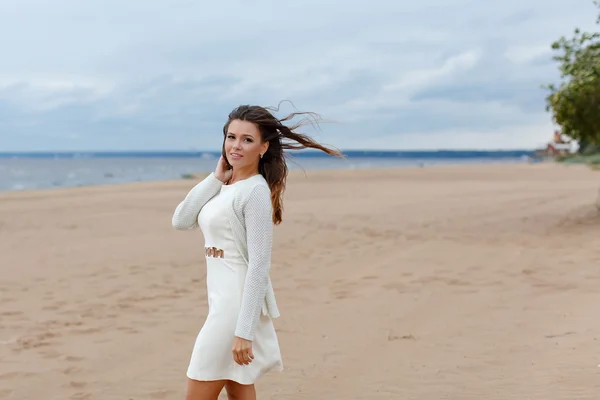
(164, 75)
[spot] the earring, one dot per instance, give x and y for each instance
(261, 154)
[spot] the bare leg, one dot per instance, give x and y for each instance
(236, 391)
(203, 390)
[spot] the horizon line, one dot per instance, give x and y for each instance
(287, 151)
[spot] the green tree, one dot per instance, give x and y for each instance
(575, 103)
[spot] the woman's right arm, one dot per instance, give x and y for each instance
(186, 213)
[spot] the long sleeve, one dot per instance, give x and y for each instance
(186, 213)
(259, 234)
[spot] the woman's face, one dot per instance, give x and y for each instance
(243, 144)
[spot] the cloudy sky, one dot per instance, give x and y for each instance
(428, 74)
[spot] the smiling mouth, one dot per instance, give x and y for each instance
(235, 155)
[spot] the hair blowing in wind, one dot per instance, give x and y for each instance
(272, 165)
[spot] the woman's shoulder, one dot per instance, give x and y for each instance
(255, 187)
(251, 193)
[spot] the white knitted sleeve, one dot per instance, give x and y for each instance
(259, 236)
(186, 213)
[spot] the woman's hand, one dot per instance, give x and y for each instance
(222, 172)
(242, 351)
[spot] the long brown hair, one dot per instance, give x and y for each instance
(272, 165)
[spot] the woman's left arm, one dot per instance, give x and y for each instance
(259, 234)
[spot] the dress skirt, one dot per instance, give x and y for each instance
(212, 357)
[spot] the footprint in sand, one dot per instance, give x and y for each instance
(398, 287)
(72, 358)
(50, 354)
(127, 329)
(72, 323)
(53, 307)
(10, 313)
(71, 370)
(136, 269)
(34, 342)
(341, 294)
(86, 331)
(441, 279)
(369, 277)
(13, 375)
(5, 300)
(77, 385)
(81, 396)
(393, 336)
(343, 288)
(112, 293)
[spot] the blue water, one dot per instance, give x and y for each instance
(43, 170)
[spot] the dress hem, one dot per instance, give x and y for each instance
(278, 367)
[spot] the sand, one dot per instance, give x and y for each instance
(454, 282)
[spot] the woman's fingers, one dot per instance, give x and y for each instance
(242, 351)
(243, 357)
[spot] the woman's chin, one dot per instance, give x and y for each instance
(236, 162)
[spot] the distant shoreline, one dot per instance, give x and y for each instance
(46, 174)
(410, 154)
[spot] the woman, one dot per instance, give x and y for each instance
(236, 207)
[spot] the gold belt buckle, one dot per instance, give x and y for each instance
(214, 252)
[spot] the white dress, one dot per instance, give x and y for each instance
(212, 357)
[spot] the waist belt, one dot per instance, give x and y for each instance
(214, 252)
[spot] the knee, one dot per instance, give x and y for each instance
(233, 395)
(235, 391)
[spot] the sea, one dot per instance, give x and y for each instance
(46, 170)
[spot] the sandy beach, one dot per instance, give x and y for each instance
(453, 282)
